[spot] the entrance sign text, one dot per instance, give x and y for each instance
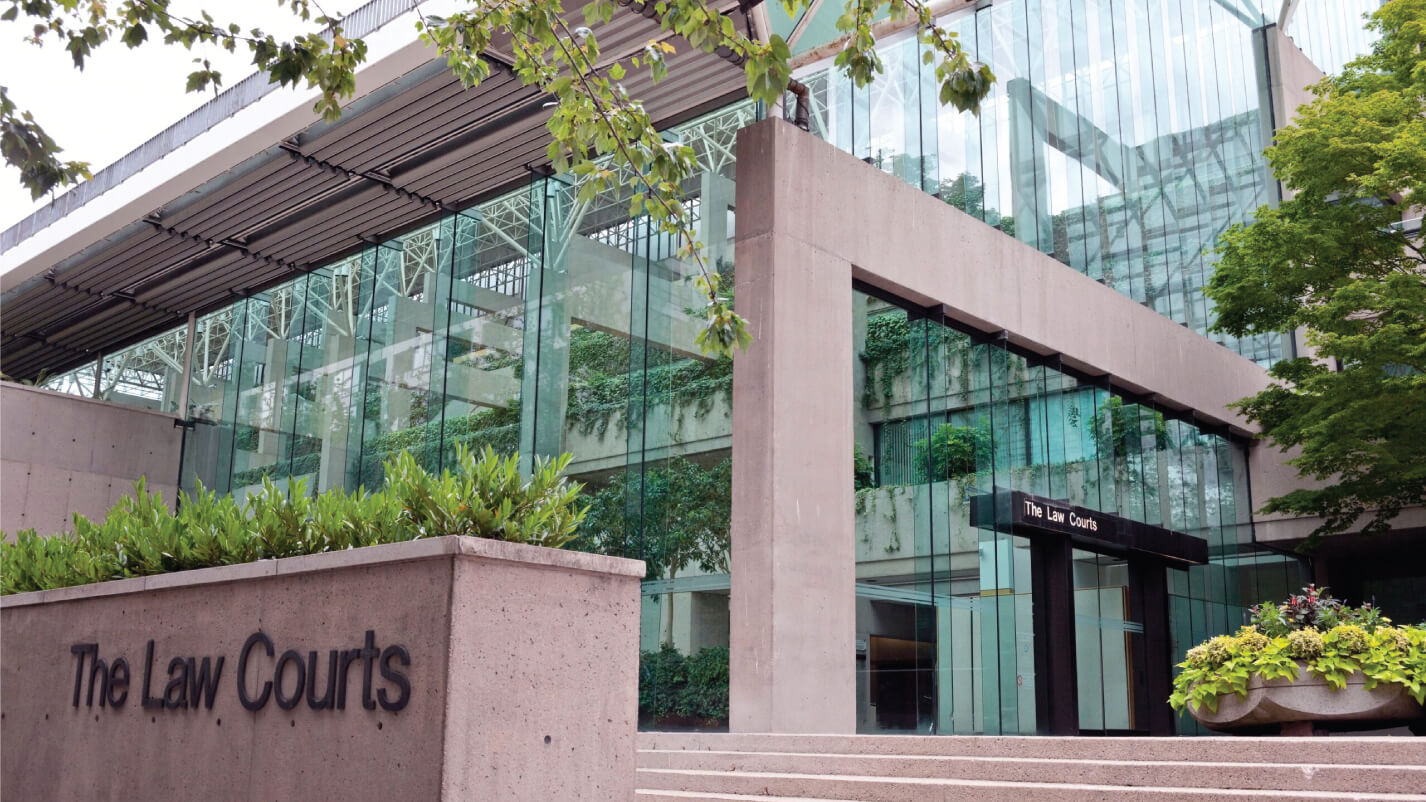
(1021, 513)
(191, 682)
(1045, 512)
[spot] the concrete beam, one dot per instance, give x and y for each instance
(927, 252)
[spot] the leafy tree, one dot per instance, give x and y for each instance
(1335, 260)
(599, 133)
(685, 520)
(1119, 431)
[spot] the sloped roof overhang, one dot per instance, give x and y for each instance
(415, 147)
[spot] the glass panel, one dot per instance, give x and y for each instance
(268, 322)
(402, 391)
(79, 381)
(212, 400)
(147, 375)
(1107, 637)
(893, 530)
(944, 616)
(1121, 137)
(1332, 32)
(485, 339)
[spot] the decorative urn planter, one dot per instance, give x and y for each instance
(1298, 706)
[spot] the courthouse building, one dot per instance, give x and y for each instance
(976, 474)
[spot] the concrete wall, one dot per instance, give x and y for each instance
(793, 544)
(930, 253)
(522, 679)
(1291, 76)
(62, 454)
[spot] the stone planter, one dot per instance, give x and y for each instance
(449, 668)
(1299, 706)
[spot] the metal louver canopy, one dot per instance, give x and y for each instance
(417, 148)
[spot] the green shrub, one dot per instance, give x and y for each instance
(706, 695)
(1332, 640)
(1313, 608)
(484, 497)
(953, 451)
(1304, 644)
(863, 469)
(663, 675)
(674, 686)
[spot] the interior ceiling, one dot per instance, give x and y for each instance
(419, 147)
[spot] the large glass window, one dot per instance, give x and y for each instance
(947, 426)
(1332, 32)
(1121, 137)
(537, 324)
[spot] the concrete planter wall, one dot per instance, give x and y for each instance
(449, 668)
(1297, 705)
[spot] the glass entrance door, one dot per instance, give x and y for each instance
(1109, 645)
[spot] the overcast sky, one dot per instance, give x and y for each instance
(123, 97)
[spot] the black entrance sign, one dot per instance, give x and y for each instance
(1055, 529)
(1021, 513)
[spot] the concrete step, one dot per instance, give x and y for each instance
(1365, 751)
(668, 784)
(1129, 773)
(698, 796)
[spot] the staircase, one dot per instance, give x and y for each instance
(684, 767)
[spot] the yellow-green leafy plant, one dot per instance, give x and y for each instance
(486, 496)
(1311, 631)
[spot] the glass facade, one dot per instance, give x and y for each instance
(147, 375)
(534, 323)
(945, 608)
(1332, 32)
(1121, 137)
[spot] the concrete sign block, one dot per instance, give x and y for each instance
(450, 668)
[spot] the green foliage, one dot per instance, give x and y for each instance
(671, 516)
(1363, 641)
(27, 147)
(603, 380)
(674, 686)
(954, 451)
(959, 81)
(1304, 644)
(1329, 260)
(487, 497)
(706, 695)
(1313, 608)
(484, 497)
(863, 469)
(495, 427)
(886, 355)
(894, 347)
(662, 677)
(1119, 432)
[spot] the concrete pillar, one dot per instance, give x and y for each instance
(793, 608)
